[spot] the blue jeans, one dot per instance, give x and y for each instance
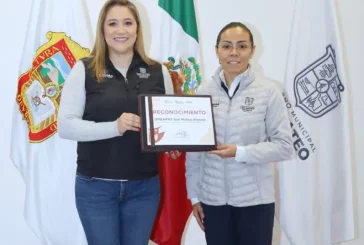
(117, 213)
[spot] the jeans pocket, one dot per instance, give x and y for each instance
(83, 177)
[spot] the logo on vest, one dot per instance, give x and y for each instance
(248, 107)
(317, 88)
(143, 73)
(107, 75)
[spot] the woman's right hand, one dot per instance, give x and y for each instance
(198, 213)
(128, 121)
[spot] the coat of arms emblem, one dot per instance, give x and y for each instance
(185, 74)
(39, 89)
(317, 88)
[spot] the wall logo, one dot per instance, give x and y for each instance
(317, 88)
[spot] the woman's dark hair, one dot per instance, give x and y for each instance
(234, 25)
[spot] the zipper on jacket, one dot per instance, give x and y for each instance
(225, 161)
(126, 83)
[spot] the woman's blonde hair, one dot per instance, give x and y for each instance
(100, 51)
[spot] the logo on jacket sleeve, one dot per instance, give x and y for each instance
(39, 89)
(317, 88)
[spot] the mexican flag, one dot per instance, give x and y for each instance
(175, 43)
(58, 34)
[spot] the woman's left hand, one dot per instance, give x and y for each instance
(225, 151)
(174, 154)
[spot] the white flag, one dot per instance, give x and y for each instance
(315, 204)
(58, 35)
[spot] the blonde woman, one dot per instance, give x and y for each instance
(117, 186)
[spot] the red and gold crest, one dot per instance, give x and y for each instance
(39, 89)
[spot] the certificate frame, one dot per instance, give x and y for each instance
(146, 119)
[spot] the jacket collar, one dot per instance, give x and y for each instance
(246, 78)
(136, 61)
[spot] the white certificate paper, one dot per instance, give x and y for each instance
(179, 121)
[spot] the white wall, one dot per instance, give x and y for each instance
(270, 22)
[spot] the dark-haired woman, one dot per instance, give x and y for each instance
(231, 188)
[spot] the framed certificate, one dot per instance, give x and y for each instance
(171, 122)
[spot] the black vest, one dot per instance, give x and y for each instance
(119, 157)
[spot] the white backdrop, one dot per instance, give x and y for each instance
(270, 23)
